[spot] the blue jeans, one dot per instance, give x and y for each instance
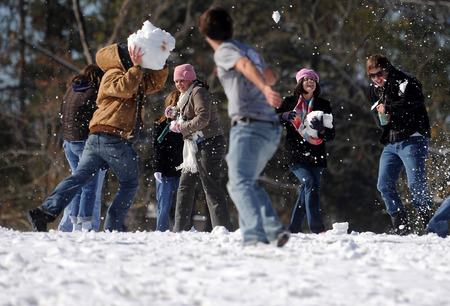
(252, 145)
(308, 201)
(410, 154)
(166, 192)
(100, 151)
(439, 223)
(86, 205)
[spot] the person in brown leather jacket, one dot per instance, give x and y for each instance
(113, 130)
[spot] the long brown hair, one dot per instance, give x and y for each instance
(171, 100)
(298, 89)
(91, 73)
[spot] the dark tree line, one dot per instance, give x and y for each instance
(43, 43)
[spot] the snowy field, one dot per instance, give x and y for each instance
(197, 268)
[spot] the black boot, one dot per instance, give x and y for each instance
(39, 219)
(424, 217)
(400, 223)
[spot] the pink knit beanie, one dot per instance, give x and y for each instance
(184, 72)
(306, 72)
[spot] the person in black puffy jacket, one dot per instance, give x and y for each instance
(77, 108)
(168, 154)
(398, 104)
(304, 146)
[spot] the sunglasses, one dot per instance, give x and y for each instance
(378, 74)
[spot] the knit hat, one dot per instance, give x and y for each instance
(306, 72)
(184, 72)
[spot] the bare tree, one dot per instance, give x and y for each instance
(82, 31)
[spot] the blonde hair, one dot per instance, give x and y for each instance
(378, 61)
(171, 100)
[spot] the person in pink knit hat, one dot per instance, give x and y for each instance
(306, 155)
(196, 118)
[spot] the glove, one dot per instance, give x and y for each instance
(317, 124)
(171, 112)
(289, 116)
(158, 176)
(175, 126)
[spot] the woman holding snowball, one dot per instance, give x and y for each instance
(308, 122)
(197, 119)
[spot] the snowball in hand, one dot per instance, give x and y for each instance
(276, 16)
(327, 122)
(156, 44)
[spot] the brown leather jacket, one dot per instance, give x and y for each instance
(201, 112)
(117, 99)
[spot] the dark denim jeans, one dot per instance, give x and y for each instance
(308, 201)
(410, 154)
(101, 150)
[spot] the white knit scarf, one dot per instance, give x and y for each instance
(190, 145)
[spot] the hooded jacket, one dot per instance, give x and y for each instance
(119, 92)
(77, 108)
(404, 102)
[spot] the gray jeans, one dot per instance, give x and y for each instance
(210, 155)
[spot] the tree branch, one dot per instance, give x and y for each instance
(81, 28)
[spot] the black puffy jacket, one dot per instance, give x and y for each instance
(296, 149)
(169, 153)
(404, 102)
(77, 108)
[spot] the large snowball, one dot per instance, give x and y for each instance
(327, 122)
(156, 44)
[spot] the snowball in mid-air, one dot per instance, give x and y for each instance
(276, 16)
(156, 44)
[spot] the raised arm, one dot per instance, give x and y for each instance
(246, 67)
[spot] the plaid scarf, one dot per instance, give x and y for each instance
(303, 108)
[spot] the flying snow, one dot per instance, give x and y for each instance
(156, 44)
(276, 16)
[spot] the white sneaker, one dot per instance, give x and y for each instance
(76, 227)
(86, 226)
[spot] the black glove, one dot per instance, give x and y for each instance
(289, 116)
(317, 124)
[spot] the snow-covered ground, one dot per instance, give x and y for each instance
(197, 268)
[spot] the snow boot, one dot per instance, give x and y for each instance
(400, 223)
(39, 219)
